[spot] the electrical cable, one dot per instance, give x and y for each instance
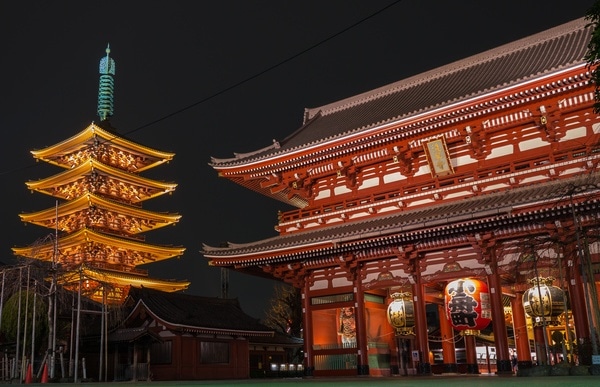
(268, 69)
(242, 82)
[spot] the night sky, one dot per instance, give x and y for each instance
(210, 78)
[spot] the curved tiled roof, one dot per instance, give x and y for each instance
(197, 313)
(500, 205)
(85, 202)
(104, 133)
(121, 278)
(150, 253)
(549, 51)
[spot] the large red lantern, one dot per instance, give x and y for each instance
(467, 305)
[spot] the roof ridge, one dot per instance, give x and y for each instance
(441, 71)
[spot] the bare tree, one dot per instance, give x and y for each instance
(285, 311)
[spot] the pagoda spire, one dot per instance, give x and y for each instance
(107, 86)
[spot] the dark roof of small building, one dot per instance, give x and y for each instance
(128, 335)
(197, 313)
(529, 58)
(282, 339)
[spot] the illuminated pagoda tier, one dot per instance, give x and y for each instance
(486, 168)
(100, 222)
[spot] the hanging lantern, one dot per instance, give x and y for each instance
(544, 302)
(401, 313)
(467, 305)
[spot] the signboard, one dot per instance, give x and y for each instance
(415, 355)
(438, 157)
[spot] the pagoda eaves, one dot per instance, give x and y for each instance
(122, 279)
(96, 283)
(96, 177)
(105, 146)
(87, 245)
(93, 211)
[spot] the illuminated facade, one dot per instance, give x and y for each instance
(486, 168)
(100, 222)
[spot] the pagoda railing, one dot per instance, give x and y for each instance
(119, 268)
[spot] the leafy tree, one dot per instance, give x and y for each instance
(593, 54)
(10, 316)
(285, 310)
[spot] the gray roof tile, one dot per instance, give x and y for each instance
(427, 218)
(198, 312)
(534, 56)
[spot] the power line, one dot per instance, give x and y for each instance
(242, 82)
(268, 69)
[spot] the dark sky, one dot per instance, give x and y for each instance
(229, 60)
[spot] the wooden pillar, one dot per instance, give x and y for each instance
(116, 363)
(422, 339)
(148, 373)
(471, 354)
(577, 296)
(309, 367)
(448, 348)
(135, 360)
(361, 327)
(540, 345)
(520, 331)
(403, 343)
(503, 364)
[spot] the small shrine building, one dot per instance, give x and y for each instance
(459, 190)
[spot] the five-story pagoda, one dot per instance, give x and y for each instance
(99, 220)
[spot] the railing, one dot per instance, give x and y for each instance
(469, 183)
(9, 368)
(335, 362)
(116, 267)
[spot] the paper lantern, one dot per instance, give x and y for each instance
(467, 305)
(401, 313)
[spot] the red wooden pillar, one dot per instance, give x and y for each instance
(309, 367)
(577, 299)
(498, 320)
(361, 329)
(471, 353)
(448, 348)
(520, 331)
(540, 345)
(424, 366)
